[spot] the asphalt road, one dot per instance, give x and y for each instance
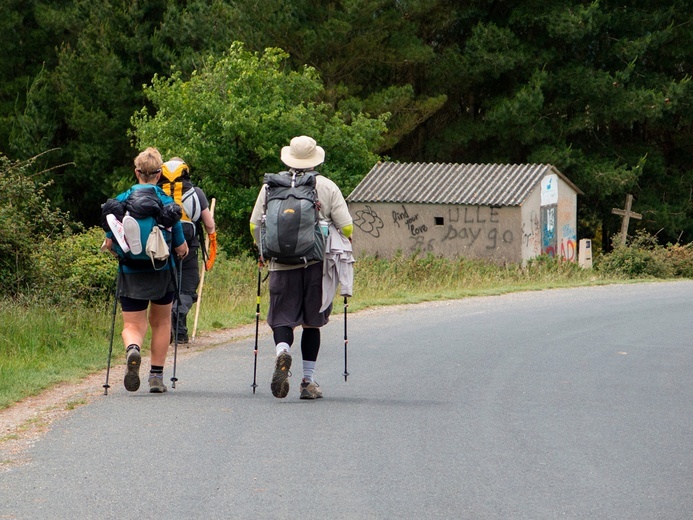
(542, 405)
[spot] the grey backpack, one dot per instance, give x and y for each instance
(290, 232)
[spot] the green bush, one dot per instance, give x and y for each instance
(74, 267)
(641, 257)
(231, 118)
(26, 218)
(680, 258)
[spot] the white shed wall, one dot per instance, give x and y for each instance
(483, 232)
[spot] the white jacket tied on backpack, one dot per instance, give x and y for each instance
(337, 267)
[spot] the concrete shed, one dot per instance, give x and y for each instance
(504, 213)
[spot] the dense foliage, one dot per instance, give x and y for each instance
(599, 88)
(27, 222)
(230, 120)
(642, 256)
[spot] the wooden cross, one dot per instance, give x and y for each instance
(627, 214)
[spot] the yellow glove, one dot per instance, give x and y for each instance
(211, 251)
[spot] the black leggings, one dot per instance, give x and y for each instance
(310, 341)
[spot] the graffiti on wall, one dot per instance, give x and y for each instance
(415, 228)
(549, 236)
(531, 233)
(569, 243)
(369, 222)
(471, 226)
(474, 223)
(411, 223)
(480, 228)
(548, 230)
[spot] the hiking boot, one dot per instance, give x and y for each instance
(156, 384)
(280, 378)
(131, 228)
(132, 376)
(180, 339)
(310, 390)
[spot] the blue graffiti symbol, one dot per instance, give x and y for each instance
(369, 222)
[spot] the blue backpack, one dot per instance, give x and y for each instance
(146, 207)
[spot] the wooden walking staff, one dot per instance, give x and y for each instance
(627, 214)
(202, 277)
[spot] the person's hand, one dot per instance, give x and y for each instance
(212, 251)
(107, 247)
(260, 259)
(182, 251)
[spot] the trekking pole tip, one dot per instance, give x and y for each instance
(105, 388)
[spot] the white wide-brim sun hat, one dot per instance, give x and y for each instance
(303, 152)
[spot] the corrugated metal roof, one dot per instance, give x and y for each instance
(433, 183)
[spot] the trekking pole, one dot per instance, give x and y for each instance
(202, 277)
(179, 282)
(257, 324)
(106, 386)
(346, 306)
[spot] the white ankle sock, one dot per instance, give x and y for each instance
(281, 347)
(308, 370)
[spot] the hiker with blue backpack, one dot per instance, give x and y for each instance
(290, 222)
(142, 224)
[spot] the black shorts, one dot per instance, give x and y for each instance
(296, 298)
(133, 305)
